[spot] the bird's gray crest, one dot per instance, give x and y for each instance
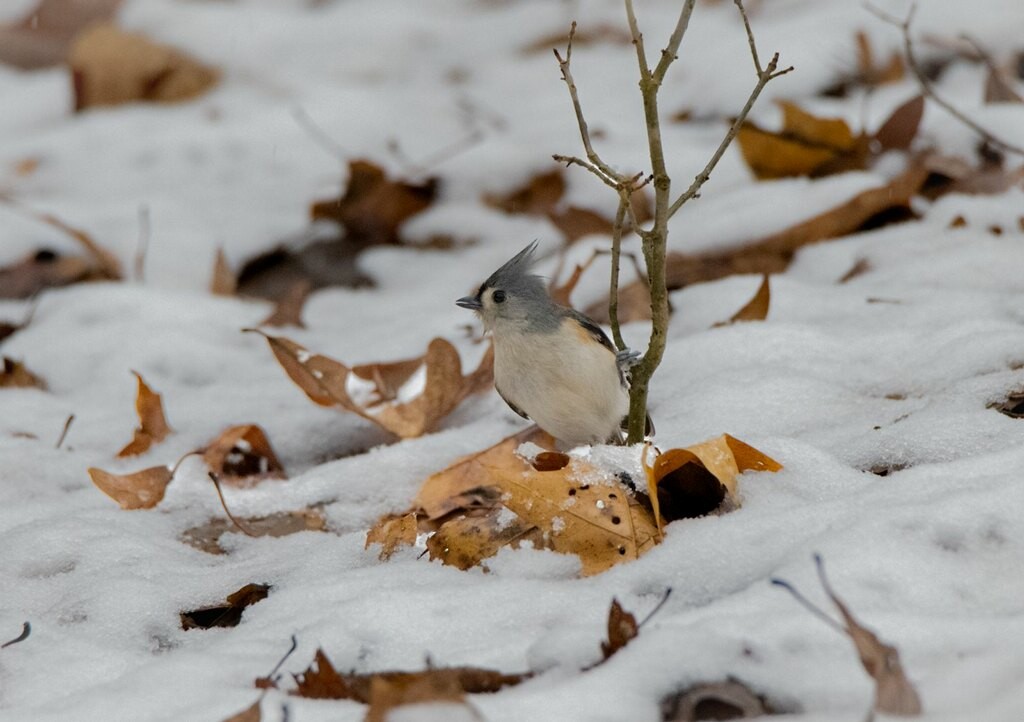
(515, 274)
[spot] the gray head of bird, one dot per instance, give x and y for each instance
(513, 297)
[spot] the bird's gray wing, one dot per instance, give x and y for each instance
(511, 405)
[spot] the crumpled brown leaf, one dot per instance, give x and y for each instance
(153, 426)
(900, 129)
(228, 614)
(140, 490)
(373, 206)
(384, 691)
(622, 628)
(43, 36)
(325, 381)
(14, 374)
(110, 66)
(692, 482)
(756, 309)
(242, 456)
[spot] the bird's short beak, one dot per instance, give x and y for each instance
(473, 304)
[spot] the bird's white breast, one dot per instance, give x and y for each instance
(565, 381)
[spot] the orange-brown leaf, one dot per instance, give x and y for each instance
(622, 627)
(222, 281)
(14, 374)
(537, 197)
(110, 66)
(153, 426)
(756, 309)
(140, 490)
(391, 532)
(249, 714)
(242, 455)
(322, 681)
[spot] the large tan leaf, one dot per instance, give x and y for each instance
(110, 66)
(325, 381)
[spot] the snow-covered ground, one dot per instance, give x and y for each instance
(893, 370)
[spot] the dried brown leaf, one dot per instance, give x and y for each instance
(900, 129)
(288, 311)
(228, 614)
(206, 537)
(374, 206)
(249, 714)
(110, 66)
(713, 701)
(41, 270)
(391, 532)
(14, 374)
(999, 90)
(139, 490)
(222, 281)
(539, 196)
(43, 36)
(756, 309)
(242, 456)
(153, 426)
(321, 681)
(325, 382)
(692, 482)
(622, 628)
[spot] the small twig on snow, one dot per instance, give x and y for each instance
(142, 245)
(926, 86)
(64, 432)
(26, 629)
(220, 495)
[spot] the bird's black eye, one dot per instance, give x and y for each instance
(499, 297)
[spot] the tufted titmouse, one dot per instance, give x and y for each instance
(552, 364)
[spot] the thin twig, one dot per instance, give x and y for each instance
(638, 43)
(220, 494)
(926, 85)
(613, 292)
(571, 160)
(669, 54)
(64, 433)
(806, 604)
(764, 76)
(564, 66)
(319, 135)
(142, 245)
(295, 644)
(26, 629)
(657, 607)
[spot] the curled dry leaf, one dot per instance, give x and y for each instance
(153, 426)
(140, 490)
(375, 206)
(242, 456)
(206, 537)
(14, 374)
(622, 628)
(43, 36)
(249, 714)
(386, 690)
(228, 614)
(692, 482)
(110, 66)
(325, 381)
(222, 281)
(756, 309)
(391, 532)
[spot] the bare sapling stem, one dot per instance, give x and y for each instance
(654, 240)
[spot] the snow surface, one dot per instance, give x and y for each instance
(894, 369)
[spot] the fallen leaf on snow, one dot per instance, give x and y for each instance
(900, 129)
(756, 309)
(110, 66)
(325, 381)
(206, 537)
(374, 206)
(894, 693)
(43, 269)
(622, 628)
(15, 375)
(242, 456)
(384, 691)
(872, 73)
(153, 426)
(288, 310)
(228, 614)
(692, 482)
(249, 714)
(713, 701)
(391, 532)
(222, 281)
(140, 490)
(42, 37)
